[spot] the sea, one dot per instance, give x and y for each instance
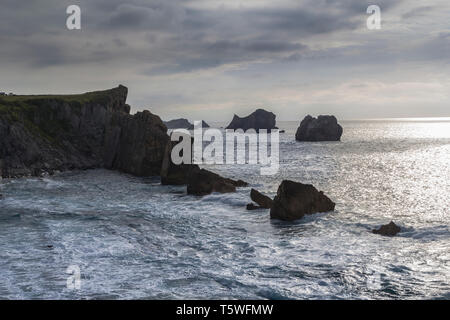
(100, 234)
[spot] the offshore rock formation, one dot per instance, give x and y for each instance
(41, 134)
(199, 181)
(262, 201)
(203, 182)
(294, 200)
(182, 124)
(260, 119)
(390, 229)
(178, 124)
(322, 128)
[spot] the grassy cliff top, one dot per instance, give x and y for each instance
(25, 107)
(94, 96)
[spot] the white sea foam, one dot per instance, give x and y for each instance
(133, 238)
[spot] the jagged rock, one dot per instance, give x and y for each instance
(178, 124)
(140, 148)
(260, 119)
(322, 128)
(182, 124)
(202, 182)
(40, 134)
(390, 229)
(294, 200)
(262, 200)
(172, 174)
(238, 183)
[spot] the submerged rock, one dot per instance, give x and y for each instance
(390, 229)
(322, 128)
(260, 199)
(202, 182)
(260, 119)
(294, 200)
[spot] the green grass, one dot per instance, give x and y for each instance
(27, 108)
(95, 96)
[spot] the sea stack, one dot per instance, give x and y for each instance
(182, 124)
(260, 119)
(178, 124)
(322, 128)
(294, 200)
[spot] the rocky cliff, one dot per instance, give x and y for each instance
(93, 130)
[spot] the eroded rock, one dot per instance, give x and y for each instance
(294, 200)
(260, 119)
(202, 182)
(322, 128)
(260, 199)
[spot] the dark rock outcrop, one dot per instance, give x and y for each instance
(260, 199)
(41, 134)
(390, 229)
(182, 124)
(322, 128)
(260, 119)
(139, 150)
(198, 181)
(172, 174)
(204, 125)
(178, 124)
(202, 182)
(294, 200)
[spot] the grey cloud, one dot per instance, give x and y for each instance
(417, 12)
(172, 34)
(156, 15)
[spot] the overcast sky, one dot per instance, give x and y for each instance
(209, 59)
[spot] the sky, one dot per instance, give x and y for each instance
(210, 59)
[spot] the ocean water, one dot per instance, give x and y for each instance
(135, 239)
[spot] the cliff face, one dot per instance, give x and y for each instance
(93, 130)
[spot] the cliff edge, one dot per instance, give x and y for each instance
(50, 133)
